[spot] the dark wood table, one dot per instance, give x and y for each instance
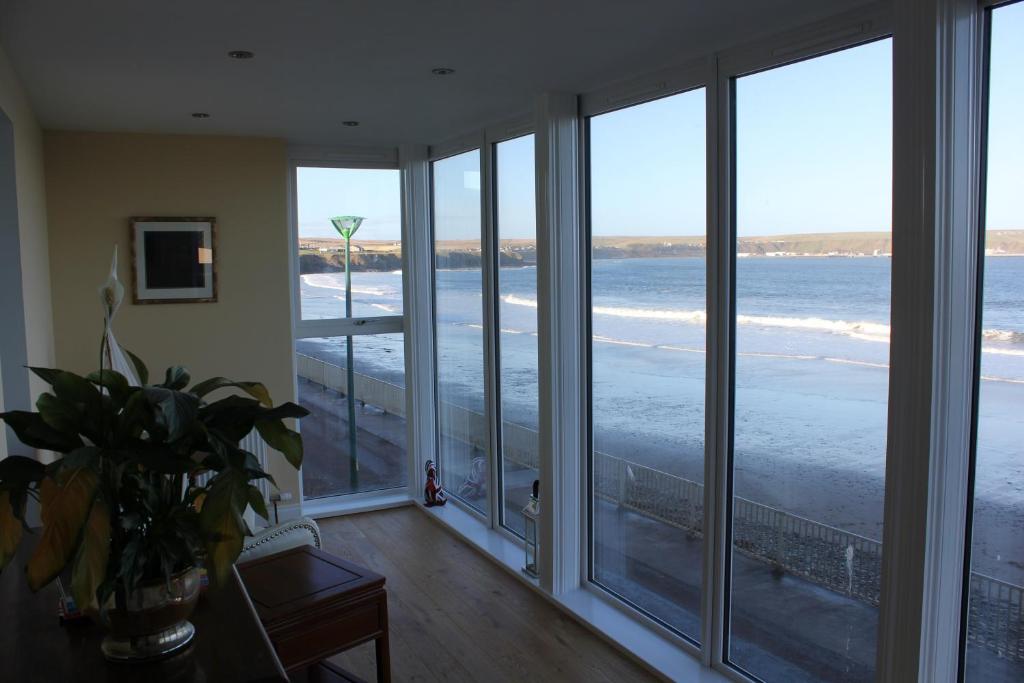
(314, 605)
(230, 644)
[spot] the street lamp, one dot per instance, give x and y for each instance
(346, 227)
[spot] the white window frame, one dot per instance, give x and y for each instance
(936, 61)
(815, 40)
(461, 145)
(484, 141)
(385, 158)
(695, 75)
(493, 136)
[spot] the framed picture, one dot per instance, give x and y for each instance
(174, 260)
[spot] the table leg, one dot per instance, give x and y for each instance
(383, 660)
(383, 648)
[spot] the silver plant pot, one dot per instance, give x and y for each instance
(153, 622)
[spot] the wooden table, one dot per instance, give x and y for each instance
(314, 605)
(229, 645)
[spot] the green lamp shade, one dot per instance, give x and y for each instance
(347, 225)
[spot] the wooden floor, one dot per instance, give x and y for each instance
(456, 616)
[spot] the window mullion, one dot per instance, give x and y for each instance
(559, 341)
(719, 365)
(936, 73)
(492, 374)
(417, 259)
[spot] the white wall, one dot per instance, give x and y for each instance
(32, 224)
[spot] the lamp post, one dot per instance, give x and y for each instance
(346, 227)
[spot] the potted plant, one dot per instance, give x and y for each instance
(122, 509)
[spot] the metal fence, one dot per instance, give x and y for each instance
(841, 561)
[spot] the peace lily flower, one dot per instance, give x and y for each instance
(111, 293)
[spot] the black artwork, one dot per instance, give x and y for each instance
(172, 260)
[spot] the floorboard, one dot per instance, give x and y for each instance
(455, 616)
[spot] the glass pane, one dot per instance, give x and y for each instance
(517, 315)
(378, 392)
(995, 624)
(462, 420)
(813, 198)
(375, 248)
(648, 296)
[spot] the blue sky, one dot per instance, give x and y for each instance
(814, 148)
(326, 192)
(1005, 195)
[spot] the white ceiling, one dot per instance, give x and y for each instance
(145, 65)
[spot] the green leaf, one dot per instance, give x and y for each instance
(177, 378)
(285, 410)
(114, 382)
(176, 411)
(48, 375)
(10, 527)
(257, 503)
(254, 389)
(63, 416)
(93, 553)
(282, 439)
(86, 456)
(136, 416)
(231, 418)
(64, 508)
(71, 387)
(161, 460)
(17, 471)
(140, 368)
(33, 431)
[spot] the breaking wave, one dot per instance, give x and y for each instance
(862, 330)
(331, 281)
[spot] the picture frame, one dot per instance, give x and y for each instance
(174, 260)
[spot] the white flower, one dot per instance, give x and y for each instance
(112, 292)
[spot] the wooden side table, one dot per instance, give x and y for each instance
(314, 605)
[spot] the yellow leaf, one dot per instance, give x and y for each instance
(222, 552)
(64, 509)
(91, 562)
(10, 529)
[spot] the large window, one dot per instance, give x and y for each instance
(813, 175)
(516, 225)
(464, 435)
(995, 616)
(348, 227)
(375, 250)
(648, 296)
(328, 468)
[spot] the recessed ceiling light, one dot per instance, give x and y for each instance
(200, 115)
(350, 124)
(240, 54)
(442, 71)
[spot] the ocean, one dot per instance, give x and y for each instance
(812, 342)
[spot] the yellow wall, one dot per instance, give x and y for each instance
(96, 181)
(35, 269)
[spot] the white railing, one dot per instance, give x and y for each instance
(839, 560)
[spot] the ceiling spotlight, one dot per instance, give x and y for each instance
(442, 71)
(200, 115)
(350, 124)
(240, 54)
